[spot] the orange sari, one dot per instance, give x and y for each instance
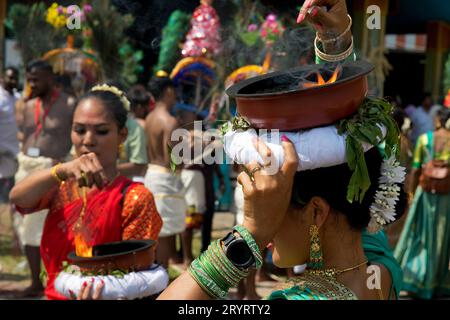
(124, 210)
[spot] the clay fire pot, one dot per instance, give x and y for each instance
(277, 100)
(132, 255)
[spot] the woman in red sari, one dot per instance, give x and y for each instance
(87, 198)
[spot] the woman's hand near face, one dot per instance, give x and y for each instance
(267, 197)
(86, 169)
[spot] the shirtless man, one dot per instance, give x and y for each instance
(166, 186)
(45, 125)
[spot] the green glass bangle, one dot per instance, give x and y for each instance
(205, 282)
(251, 243)
(212, 272)
(196, 278)
(223, 271)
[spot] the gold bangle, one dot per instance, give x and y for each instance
(334, 40)
(55, 174)
(331, 57)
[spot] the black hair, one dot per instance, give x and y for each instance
(399, 116)
(138, 96)
(157, 86)
(113, 104)
(443, 116)
(64, 80)
(13, 69)
(39, 65)
(331, 185)
(116, 83)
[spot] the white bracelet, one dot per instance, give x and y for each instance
(331, 57)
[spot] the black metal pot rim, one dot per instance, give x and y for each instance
(145, 245)
(233, 91)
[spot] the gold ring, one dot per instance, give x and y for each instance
(85, 178)
(256, 169)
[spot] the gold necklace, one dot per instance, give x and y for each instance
(333, 272)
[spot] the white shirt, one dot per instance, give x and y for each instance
(8, 127)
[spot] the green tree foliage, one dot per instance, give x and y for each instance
(108, 27)
(131, 64)
(34, 36)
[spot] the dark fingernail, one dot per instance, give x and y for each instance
(71, 292)
(92, 280)
(103, 282)
(84, 284)
(319, 27)
(284, 138)
(314, 12)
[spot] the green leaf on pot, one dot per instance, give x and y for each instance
(364, 127)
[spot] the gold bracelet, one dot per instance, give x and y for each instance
(334, 40)
(55, 174)
(331, 57)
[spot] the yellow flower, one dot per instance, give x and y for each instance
(54, 18)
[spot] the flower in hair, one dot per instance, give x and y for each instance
(116, 91)
(382, 211)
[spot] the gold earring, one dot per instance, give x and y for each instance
(315, 251)
(121, 152)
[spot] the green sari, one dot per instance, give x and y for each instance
(423, 249)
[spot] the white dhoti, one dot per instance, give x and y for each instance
(194, 190)
(167, 190)
(30, 226)
(194, 194)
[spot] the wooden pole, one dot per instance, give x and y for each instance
(3, 9)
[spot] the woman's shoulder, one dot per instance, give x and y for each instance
(136, 197)
(137, 190)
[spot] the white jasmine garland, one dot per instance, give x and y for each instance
(114, 90)
(382, 211)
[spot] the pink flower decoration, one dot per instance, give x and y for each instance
(87, 8)
(60, 10)
(72, 9)
(252, 27)
(271, 17)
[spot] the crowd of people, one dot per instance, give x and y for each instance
(98, 167)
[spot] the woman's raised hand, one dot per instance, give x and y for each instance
(86, 169)
(267, 197)
(328, 17)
